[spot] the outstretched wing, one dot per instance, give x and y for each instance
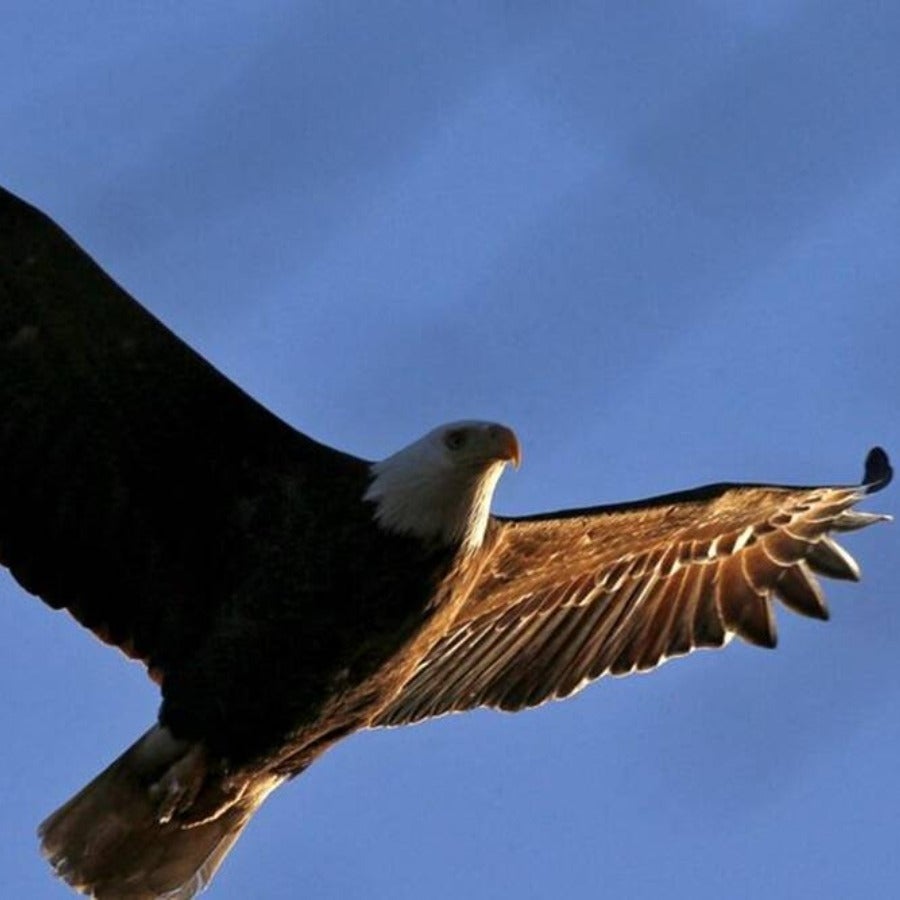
(128, 464)
(568, 597)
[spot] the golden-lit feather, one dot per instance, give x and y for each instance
(566, 599)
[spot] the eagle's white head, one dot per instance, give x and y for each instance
(440, 487)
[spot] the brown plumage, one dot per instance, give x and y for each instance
(285, 595)
(567, 598)
(109, 841)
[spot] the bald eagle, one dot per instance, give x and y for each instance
(284, 594)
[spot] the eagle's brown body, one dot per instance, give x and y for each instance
(285, 595)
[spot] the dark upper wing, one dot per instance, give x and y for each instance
(568, 597)
(125, 459)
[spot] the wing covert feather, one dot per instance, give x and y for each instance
(569, 597)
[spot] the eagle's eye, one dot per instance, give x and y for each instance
(455, 439)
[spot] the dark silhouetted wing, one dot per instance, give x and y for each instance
(568, 597)
(130, 469)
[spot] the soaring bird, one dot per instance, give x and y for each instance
(284, 594)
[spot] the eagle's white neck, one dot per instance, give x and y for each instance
(417, 492)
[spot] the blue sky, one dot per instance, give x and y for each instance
(658, 239)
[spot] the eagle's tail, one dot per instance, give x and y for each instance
(124, 835)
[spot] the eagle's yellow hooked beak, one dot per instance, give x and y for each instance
(506, 444)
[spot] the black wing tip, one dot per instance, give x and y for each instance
(878, 472)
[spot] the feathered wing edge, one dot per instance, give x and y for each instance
(877, 473)
(108, 422)
(612, 590)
